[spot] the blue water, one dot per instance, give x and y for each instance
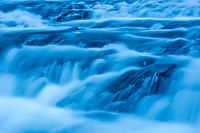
(120, 66)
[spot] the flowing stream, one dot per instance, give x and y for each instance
(100, 66)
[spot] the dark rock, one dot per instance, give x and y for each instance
(136, 84)
(176, 47)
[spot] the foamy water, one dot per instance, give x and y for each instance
(99, 66)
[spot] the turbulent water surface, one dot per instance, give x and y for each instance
(94, 66)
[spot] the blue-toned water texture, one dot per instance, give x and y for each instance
(100, 66)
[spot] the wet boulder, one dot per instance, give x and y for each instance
(69, 15)
(132, 86)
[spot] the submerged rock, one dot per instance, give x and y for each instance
(69, 15)
(6, 42)
(132, 86)
(51, 10)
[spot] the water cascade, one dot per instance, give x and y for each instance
(100, 66)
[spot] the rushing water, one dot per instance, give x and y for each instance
(120, 66)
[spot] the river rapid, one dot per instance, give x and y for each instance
(94, 66)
